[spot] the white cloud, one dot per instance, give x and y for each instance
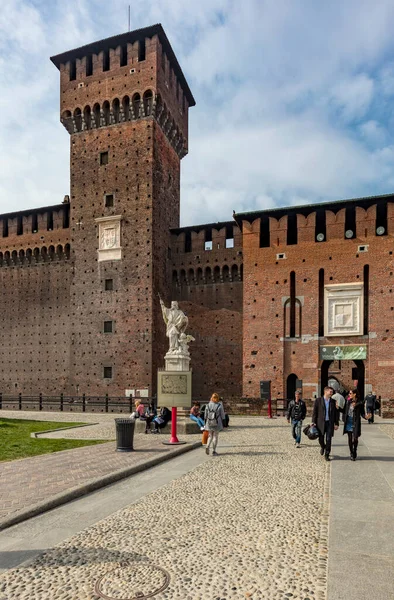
(294, 99)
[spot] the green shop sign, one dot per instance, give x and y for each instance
(343, 352)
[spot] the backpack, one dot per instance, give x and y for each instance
(213, 416)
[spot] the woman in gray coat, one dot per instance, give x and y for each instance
(214, 417)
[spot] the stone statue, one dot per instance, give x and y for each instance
(176, 322)
(184, 341)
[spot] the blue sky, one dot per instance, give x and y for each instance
(295, 98)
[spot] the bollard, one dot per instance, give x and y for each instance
(40, 402)
(83, 403)
(61, 402)
(20, 401)
(106, 403)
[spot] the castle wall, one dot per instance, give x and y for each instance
(127, 138)
(35, 326)
(208, 286)
(269, 353)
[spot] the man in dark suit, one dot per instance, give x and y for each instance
(326, 418)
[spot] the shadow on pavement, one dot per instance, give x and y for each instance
(13, 558)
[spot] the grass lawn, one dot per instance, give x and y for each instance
(15, 440)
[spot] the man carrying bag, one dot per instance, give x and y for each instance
(326, 418)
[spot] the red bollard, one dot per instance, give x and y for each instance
(269, 408)
(174, 439)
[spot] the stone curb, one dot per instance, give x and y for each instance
(36, 434)
(91, 486)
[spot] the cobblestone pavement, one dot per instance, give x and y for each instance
(249, 523)
(387, 428)
(29, 481)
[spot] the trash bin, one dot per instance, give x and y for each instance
(124, 434)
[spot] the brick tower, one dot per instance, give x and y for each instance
(124, 100)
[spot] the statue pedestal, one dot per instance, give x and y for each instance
(177, 362)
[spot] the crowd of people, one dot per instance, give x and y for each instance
(325, 418)
(211, 418)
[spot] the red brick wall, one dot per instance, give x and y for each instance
(266, 354)
(35, 327)
(208, 286)
(143, 174)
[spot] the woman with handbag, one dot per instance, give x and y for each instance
(352, 413)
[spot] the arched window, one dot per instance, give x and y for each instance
(106, 112)
(200, 277)
(183, 277)
(78, 119)
(292, 320)
(36, 254)
(21, 256)
(234, 273)
(208, 275)
(87, 115)
(59, 251)
(136, 102)
(44, 253)
(1, 259)
(163, 115)
(191, 277)
(29, 254)
(67, 121)
(148, 101)
(7, 258)
(291, 386)
(14, 257)
(216, 274)
(51, 252)
(175, 279)
(116, 109)
(159, 106)
(67, 250)
(126, 107)
(96, 114)
(226, 273)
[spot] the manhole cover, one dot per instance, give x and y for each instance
(134, 581)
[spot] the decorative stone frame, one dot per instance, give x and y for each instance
(109, 238)
(343, 309)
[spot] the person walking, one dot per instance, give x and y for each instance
(370, 406)
(325, 417)
(214, 418)
(352, 413)
(296, 413)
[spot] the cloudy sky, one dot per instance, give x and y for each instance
(295, 98)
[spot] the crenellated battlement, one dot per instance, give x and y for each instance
(125, 78)
(206, 254)
(46, 226)
(34, 256)
(357, 219)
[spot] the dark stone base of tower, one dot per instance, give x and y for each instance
(293, 296)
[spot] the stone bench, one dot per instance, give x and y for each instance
(183, 427)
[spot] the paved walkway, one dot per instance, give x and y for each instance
(230, 528)
(30, 485)
(262, 521)
(361, 556)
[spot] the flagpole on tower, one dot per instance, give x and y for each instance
(129, 17)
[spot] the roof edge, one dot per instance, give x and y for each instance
(122, 38)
